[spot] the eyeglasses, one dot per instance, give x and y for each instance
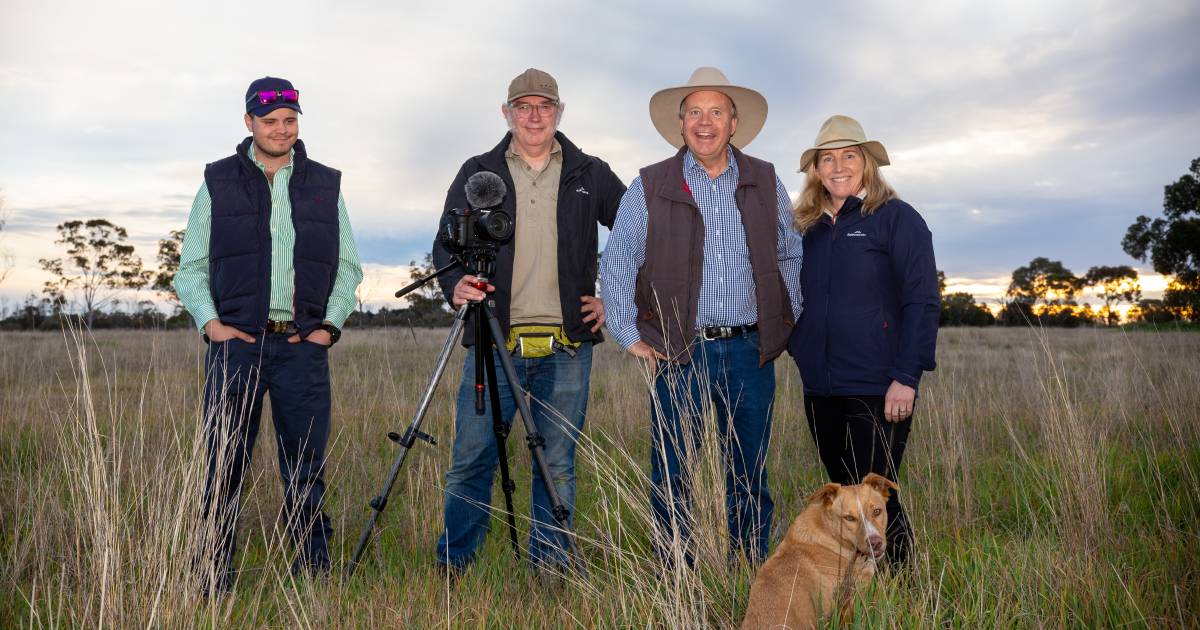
(266, 97)
(525, 109)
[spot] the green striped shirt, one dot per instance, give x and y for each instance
(191, 281)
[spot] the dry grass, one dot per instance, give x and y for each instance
(1051, 479)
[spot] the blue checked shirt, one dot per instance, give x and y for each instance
(727, 289)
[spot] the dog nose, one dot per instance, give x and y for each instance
(877, 542)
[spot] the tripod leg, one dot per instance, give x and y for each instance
(481, 359)
(561, 514)
(406, 441)
(501, 429)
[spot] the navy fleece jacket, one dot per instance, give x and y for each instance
(871, 302)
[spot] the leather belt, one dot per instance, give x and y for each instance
(281, 328)
(712, 333)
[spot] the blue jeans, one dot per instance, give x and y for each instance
(723, 376)
(297, 377)
(558, 385)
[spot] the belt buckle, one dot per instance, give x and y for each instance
(277, 327)
(720, 332)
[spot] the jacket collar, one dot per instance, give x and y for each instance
(573, 158)
(850, 214)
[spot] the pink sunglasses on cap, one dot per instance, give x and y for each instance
(267, 97)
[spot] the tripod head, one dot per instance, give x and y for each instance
(480, 263)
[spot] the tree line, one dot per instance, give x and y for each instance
(1045, 292)
(100, 267)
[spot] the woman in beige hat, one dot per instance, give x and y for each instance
(871, 306)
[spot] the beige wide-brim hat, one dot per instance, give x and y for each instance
(839, 132)
(751, 106)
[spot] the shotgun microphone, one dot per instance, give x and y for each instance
(485, 189)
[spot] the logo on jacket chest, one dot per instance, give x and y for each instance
(855, 233)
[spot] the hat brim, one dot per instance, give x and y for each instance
(541, 93)
(874, 147)
(751, 112)
(263, 110)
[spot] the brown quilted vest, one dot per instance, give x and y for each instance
(667, 295)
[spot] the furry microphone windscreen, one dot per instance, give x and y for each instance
(485, 189)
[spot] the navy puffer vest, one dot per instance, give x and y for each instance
(239, 264)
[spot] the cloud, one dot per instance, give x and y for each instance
(1018, 129)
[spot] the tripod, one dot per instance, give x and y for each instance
(489, 343)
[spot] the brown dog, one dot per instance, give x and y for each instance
(829, 550)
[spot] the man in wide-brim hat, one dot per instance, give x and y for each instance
(701, 275)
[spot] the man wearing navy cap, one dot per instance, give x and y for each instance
(268, 269)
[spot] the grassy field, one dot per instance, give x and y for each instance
(1053, 479)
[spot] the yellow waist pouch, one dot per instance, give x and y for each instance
(534, 341)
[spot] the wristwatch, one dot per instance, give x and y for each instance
(335, 333)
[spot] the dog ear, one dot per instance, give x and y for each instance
(880, 483)
(825, 494)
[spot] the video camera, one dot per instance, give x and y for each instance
(481, 226)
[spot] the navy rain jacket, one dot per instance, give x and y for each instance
(871, 302)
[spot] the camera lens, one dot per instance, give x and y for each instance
(496, 224)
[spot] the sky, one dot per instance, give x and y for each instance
(1017, 129)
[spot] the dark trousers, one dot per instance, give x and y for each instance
(854, 439)
(297, 377)
(724, 378)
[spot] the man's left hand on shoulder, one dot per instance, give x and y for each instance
(593, 311)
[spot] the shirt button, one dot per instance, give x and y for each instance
(532, 201)
(714, 186)
(718, 257)
(718, 232)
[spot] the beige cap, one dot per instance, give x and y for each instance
(533, 82)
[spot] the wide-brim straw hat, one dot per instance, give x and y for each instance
(839, 132)
(751, 106)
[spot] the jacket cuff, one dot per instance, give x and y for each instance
(450, 279)
(204, 316)
(626, 336)
(905, 379)
(336, 317)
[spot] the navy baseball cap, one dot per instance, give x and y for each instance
(268, 94)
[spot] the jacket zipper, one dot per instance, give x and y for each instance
(828, 285)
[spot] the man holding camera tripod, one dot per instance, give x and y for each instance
(544, 294)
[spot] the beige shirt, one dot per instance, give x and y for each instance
(535, 298)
